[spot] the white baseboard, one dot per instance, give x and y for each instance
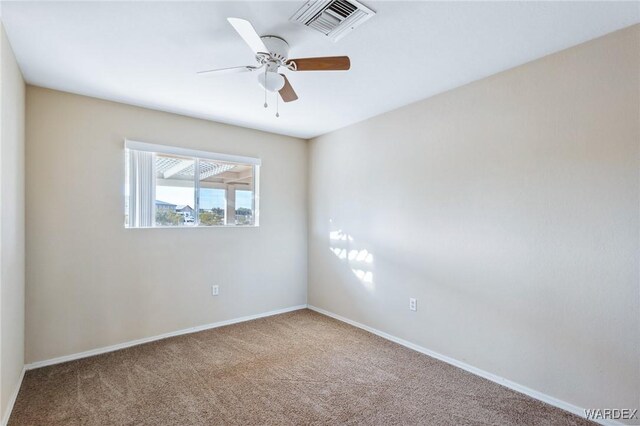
(98, 351)
(578, 411)
(12, 400)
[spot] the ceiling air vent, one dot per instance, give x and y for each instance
(333, 18)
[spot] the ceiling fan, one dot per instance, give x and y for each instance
(272, 52)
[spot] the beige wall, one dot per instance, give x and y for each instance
(12, 226)
(510, 209)
(93, 283)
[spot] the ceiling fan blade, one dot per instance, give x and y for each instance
(223, 71)
(248, 34)
(287, 93)
(326, 63)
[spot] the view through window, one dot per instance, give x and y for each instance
(173, 187)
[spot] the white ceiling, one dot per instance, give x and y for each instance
(146, 53)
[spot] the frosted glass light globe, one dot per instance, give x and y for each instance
(274, 81)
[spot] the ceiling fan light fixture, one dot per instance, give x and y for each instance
(272, 52)
(272, 81)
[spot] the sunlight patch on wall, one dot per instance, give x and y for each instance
(359, 260)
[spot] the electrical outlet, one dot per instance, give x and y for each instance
(215, 290)
(413, 304)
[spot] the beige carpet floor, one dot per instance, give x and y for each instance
(295, 368)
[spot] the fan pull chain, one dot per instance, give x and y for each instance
(277, 102)
(265, 88)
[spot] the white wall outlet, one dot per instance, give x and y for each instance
(215, 290)
(413, 304)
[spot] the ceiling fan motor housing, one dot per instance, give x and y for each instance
(278, 51)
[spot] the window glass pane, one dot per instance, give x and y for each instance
(213, 205)
(175, 191)
(220, 180)
(244, 207)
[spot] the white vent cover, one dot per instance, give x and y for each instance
(333, 18)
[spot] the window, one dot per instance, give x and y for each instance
(174, 187)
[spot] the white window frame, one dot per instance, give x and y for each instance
(198, 155)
